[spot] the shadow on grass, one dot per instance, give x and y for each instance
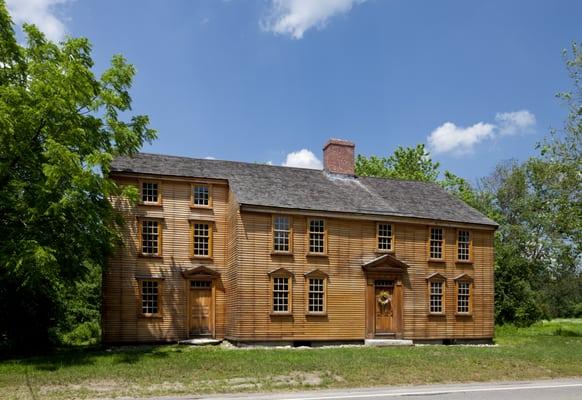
(68, 358)
(567, 332)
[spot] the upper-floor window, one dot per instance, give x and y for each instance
(201, 195)
(436, 243)
(385, 235)
(317, 236)
(463, 245)
(201, 239)
(436, 292)
(150, 237)
(150, 192)
(282, 233)
(150, 297)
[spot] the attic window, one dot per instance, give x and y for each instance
(201, 195)
(150, 193)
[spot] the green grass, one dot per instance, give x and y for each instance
(545, 350)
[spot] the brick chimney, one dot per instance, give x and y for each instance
(338, 156)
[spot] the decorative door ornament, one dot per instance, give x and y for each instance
(385, 300)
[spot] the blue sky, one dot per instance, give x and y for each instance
(258, 80)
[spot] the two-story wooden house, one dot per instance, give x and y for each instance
(260, 253)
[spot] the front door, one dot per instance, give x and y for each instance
(200, 308)
(384, 291)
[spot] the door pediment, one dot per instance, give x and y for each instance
(386, 263)
(201, 272)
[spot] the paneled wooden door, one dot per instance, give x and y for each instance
(201, 308)
(384, 309)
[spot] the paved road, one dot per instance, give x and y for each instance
(563, 389)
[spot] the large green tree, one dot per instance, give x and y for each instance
(60, 127)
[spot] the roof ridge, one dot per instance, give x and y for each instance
(228, 161)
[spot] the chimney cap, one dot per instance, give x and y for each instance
(338, 142)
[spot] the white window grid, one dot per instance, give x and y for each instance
(463, 241)
(436, 297)
(463, 296)
(317, 236)
(436, 243)
(280, 294)
(281, 233)
(150, 237)
(149, 297)
(385, 237)
(200, 195)
(201, 239)
(149, 192)
(316, 295)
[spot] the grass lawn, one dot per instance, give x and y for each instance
(545, 350)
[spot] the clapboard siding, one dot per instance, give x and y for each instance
(242, 255)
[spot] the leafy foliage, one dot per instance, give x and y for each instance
(411, 163)
(60, 128)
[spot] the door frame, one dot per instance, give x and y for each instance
(200, 273)
(212, 322)
(398, 298)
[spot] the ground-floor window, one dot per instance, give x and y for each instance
(436, 292)
(149, 290)
(281, 294)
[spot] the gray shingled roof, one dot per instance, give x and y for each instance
(308, 189)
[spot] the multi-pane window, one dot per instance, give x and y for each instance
(385, 237)
(463, 297)
(150, 237)
(281, 233)
(149, 192)
(200, 284)
(317, 236)
(202, 238)
(436, 296)
(200, 195)
(316, 295)
(436, 243)
(463, 246)
(280, 294)
(149, 297)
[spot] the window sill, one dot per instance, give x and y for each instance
(153, 256)
(200, 257)
(384, 251)
(151, 316)
(281, 253)
(437, 260)
(195, 206)
(434, 314)
(316, 314)
(316, 254)
(465, 262)
(160, 205)
(281, 314)
(464, 314)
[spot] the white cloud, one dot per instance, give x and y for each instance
(295, 17)
(40, 13)
(450, 138)
(303, 159)
(209, 158)
(511, 123)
